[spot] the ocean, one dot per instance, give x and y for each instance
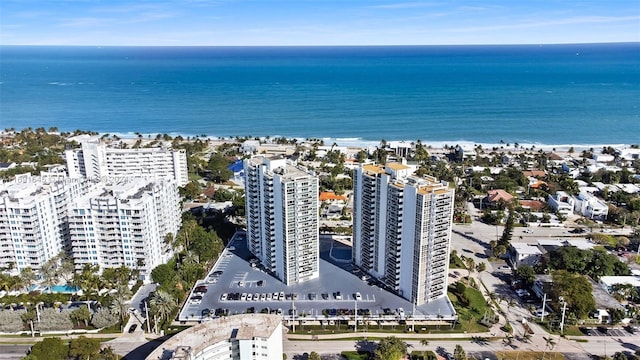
(547, 94)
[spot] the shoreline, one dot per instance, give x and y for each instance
(365, 143)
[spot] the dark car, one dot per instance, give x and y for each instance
(133, 328)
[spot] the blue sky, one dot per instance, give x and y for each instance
(316, 22)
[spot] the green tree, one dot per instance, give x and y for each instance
(526, 274)
(162, 304)
(191, 190)
(458, 353)
(27, 277)
(163, 273)
(482, 266)
(576, 291)
(84, 348)
(108, 354)
(50, 349)
(81, 314)
(314, 356)
(119, 302)
(390, 348)
(217, 167)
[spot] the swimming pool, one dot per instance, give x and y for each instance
(62, 289)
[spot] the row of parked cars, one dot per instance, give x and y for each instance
(257, 296)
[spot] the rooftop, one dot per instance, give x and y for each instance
(199, 337)
(526, 249)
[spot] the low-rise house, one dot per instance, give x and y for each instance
(562, 202)
(498, 195)
(590, 206)
(7, 165)
(533, 205)
(542, 285)
(524, 254)
(607, 282)
(331, 197)
(629, 188)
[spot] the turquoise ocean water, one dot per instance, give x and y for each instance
(551, 94)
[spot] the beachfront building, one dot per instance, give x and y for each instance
(238, 337)
(33, 218)
(402, 230)
(282, 218)
(125, 223)
(95, 160)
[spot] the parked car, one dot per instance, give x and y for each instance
(133, 328)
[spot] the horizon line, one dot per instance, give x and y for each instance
(336, 45)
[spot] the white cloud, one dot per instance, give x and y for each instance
(542, 24)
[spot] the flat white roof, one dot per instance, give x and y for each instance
(527, 249)
(612, 280)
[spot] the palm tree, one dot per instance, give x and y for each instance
(470, 265)
(550, 343)
(162, 304)
(27, 277)
(119, 302)
(49, 272)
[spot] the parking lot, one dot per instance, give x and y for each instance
(235, 285)
(603, 331)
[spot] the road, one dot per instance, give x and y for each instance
(13, 351)
(597, 345)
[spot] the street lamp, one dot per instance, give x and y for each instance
(564, 309)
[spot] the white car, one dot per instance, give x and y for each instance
(401, 312)
(243, 297)
(241, 283)
(224, 297)
(540, 313)
(358, 296)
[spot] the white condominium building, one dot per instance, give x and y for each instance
(282, 218)
(402, 230)
(238, 337)
(95, 160)
(33, 218)
(125, 223)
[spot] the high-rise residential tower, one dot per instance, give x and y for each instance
(125, 223)
(33, 218)
(95, 160)
(282, 218)
(402, 230)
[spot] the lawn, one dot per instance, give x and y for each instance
(355, 355)
(455, 262)
(470, 314)
(528, 355)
